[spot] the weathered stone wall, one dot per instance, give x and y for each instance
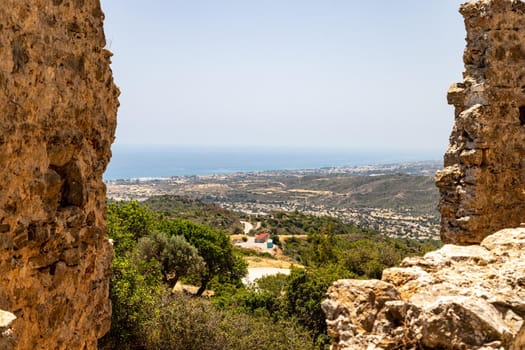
(57, 119)
(483, 184)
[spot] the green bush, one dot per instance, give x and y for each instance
(134, 287)
(181, 322)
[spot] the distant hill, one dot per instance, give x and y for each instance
(416, 193)
(195, 211)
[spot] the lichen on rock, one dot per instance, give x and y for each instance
(58, 108)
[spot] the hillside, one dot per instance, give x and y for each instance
(196, 211)
(280, 223)
(297, 223)
(416, 193)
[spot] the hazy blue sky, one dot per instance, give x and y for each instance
(318, 73)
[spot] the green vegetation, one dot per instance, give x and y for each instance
(214, 247)
(151, 253)
(177, 258)
(196, 211)
(191, 323)
(364, 255)
(155, 249)
(398, 199)
(297, 223)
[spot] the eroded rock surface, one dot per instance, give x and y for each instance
(58, 113)
(458, 297)
(483, 184)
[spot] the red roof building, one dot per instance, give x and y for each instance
(262, 238)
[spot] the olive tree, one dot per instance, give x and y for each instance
(176, 256)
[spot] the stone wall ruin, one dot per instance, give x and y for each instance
(58, 108)
(483, 184)
(470, 294)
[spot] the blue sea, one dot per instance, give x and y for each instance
(130, 162)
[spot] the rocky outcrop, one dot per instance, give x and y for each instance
(58, 113)
(483, 184)
(458, 297)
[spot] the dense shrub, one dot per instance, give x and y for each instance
(183, 322)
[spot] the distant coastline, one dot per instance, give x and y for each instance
(398, 199)
(155, 162)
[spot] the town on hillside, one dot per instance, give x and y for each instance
(398, 200)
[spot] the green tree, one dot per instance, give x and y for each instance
(176, 256)
(126, 223)
(134, 285)
(304, 295)
(214, 247)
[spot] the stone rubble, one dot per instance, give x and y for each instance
(458, 297)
